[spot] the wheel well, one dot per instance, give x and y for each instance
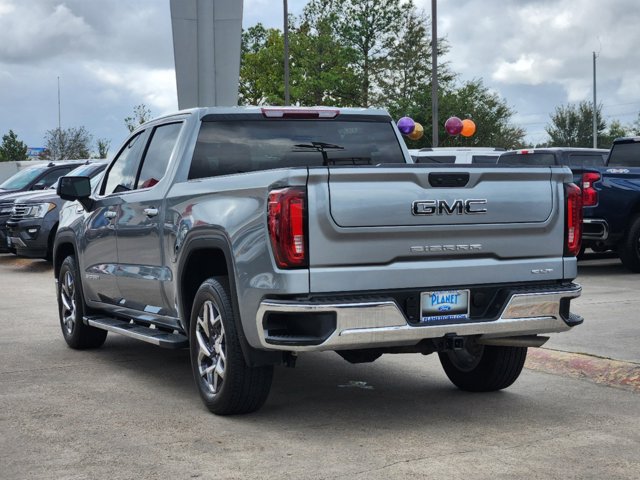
(52, 238)
(62, 252)
(200, 265)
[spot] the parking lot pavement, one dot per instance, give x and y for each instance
(130, 410)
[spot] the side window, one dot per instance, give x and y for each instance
(156, 160)
(50, 177)
(122, 173)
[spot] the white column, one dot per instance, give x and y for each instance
(206, 49)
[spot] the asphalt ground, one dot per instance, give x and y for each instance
(130, 410)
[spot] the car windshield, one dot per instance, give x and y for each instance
(21, 179)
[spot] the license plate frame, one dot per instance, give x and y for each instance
(444, 305)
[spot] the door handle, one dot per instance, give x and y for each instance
(150, 212)
(110, 214)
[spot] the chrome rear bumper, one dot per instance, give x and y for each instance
(382, 323)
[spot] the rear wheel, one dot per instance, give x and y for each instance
(227, 385)
(630, 247)
(480, 368)
(71, 309)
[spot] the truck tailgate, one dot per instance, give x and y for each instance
(414, 226)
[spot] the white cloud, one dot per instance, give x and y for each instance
(154, 87)
(35, 31)
(527, 69)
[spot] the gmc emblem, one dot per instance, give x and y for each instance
(442, 207)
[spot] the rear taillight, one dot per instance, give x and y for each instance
(589, 193)
(573, 220)
(287, 226)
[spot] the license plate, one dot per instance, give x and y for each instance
(444, 305)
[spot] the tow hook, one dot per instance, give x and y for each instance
(453, 342)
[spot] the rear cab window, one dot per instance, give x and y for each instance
(227, 146)
(527, 159)
(582, 160)
(435, 159)
(625, 155)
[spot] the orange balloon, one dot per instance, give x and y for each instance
(468, 128)
(417, 133)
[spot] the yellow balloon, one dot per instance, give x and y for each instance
(417, 133)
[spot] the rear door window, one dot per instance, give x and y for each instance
(228, 147)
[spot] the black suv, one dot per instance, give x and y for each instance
(32, 226)
(23, 183)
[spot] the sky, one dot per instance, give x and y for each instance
(110, 55)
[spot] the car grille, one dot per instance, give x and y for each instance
(19, 211)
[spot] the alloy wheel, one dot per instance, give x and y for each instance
(211, 347)
(68, 299)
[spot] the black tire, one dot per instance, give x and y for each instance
(71, 309)
(227, 385)
(481, 368)
(629, 248)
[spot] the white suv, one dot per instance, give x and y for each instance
(456, 155)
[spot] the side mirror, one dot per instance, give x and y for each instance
(39, 186)
(76, 188)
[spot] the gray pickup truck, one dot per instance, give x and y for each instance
(252, 235)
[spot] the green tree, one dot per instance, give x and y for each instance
(11, 148)
(369, 28)
(615, 130)
(68, 143)
(262, 67)
(322, 72)
(572, 125)
(141, 114)
(634, 128)
(405, 85)
(102, 144)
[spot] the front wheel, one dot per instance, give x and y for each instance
(481, 368)
(227, 385)
(71, 309)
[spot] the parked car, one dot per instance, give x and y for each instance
(253, 235)
(23, 183)
(456, 155)
(611, 197)
(33, 223)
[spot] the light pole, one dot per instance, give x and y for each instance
(434, 72)
(286, 53)
(595, 108)
(58, 104)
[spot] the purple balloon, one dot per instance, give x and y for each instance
(406, 125)
(453, 126)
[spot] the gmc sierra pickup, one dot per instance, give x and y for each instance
(252, 235)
